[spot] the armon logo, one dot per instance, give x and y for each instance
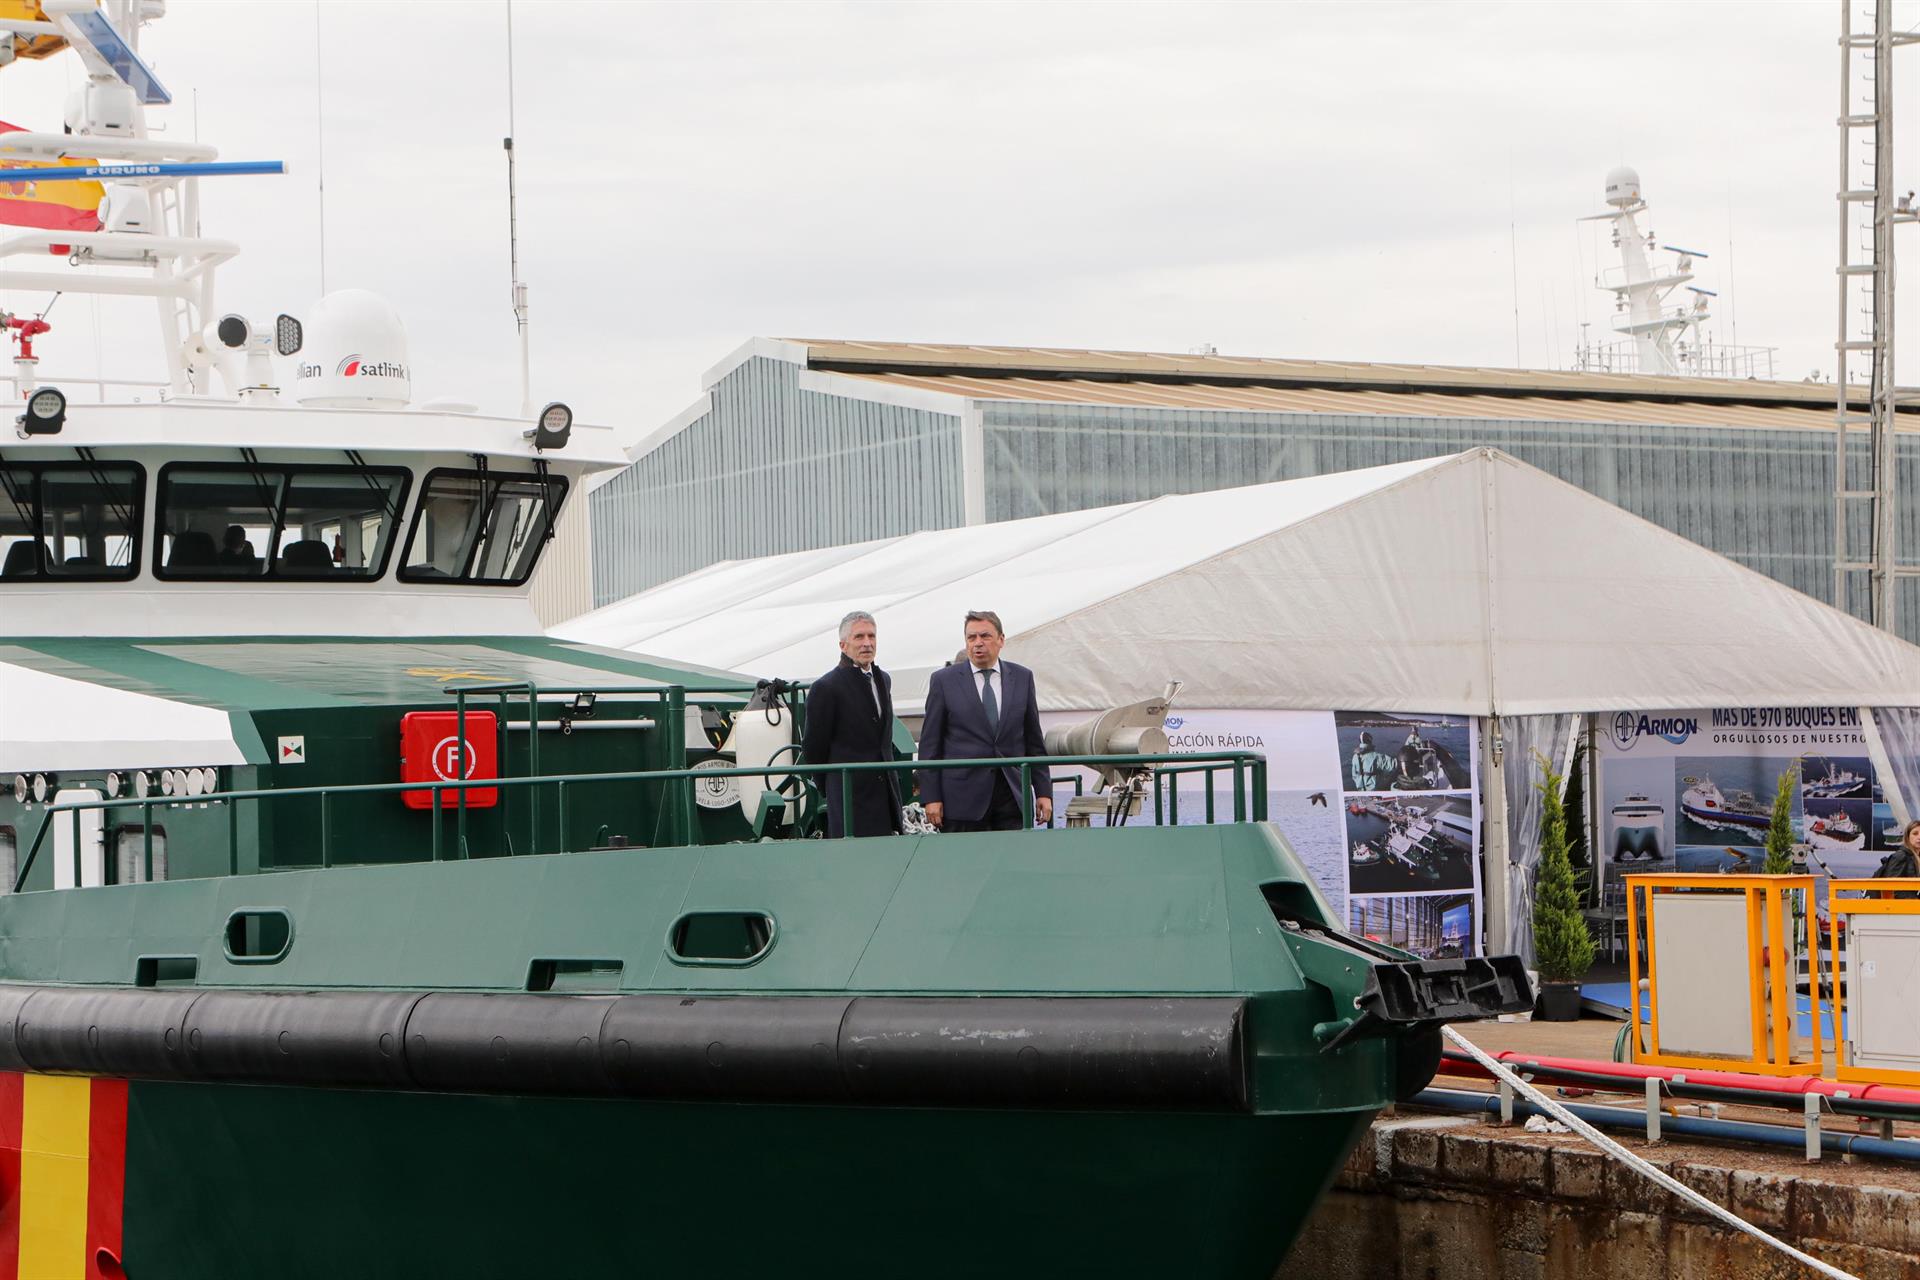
(1628, 728)
(348, 367)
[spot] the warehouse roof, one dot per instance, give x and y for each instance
(1263, 384)
(1138, 366)
(949, 378)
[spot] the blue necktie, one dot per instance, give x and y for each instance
(990, 704)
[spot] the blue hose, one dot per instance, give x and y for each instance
(1770, 1135)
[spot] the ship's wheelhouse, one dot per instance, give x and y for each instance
(223, 521)
(260, 520)
(75, 520)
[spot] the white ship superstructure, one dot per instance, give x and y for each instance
(1661, 335)
(276, 452)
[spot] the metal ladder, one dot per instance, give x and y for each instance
(1867, 514)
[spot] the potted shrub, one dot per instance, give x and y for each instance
(1780, 827)
(1780, 851)
(1562, 948)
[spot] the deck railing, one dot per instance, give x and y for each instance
(1249, 770)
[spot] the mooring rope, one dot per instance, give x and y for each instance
(1502, 1072)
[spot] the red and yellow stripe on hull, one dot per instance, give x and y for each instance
(63, 1165)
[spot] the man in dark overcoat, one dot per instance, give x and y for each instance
(850, 719)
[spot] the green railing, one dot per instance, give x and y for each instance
(672, 708)
(1166, 803)
(1249, 795)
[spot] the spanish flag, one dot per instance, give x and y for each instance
(63, 1151)
(57, 206)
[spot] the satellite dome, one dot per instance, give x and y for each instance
(1623, 187)
(355, 354)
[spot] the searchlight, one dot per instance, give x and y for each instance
(46, 414)
(553, 427)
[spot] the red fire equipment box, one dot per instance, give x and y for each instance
(429, 753)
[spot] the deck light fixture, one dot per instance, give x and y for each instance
(19, 788)
(113, 785)
(142, 784)
(583, 704)
(555, 424)
(172, 783)
(41, 786)
(46, 414)
(288, 336)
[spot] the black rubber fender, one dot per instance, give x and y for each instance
(472, 1042)
(1170, 1053)
(340, 1038)
(1116, 1051)
(747, 1047)
(12, 1001)
(1416, 1060)
(106, 1031)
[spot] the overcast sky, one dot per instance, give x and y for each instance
(1333, 181)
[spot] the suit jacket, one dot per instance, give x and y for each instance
(843, 727)
(955, 728)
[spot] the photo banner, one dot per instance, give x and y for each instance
(1382, 808)
(1693, 791)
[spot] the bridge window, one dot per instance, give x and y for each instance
(477, 526)
(70, 521)
(220, 521)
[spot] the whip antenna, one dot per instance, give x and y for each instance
(513, 236)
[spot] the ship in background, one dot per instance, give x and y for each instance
(1659, 334)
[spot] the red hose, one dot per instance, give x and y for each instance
(1626, 1071)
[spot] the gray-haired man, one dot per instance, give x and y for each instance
(850, 720)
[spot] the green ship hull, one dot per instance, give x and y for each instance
(336, 1184)
(342, 1036)
(238, 1174)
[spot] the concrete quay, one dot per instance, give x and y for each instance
(1441, 1197)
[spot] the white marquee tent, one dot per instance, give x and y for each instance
(39, 712)
(1471, 584)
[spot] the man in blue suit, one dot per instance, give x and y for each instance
(978, 710)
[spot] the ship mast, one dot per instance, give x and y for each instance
(147, 235)
(1663, 338)
(1640, 289)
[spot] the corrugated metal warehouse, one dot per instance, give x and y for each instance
(803, 444)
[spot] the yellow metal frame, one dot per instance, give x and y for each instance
(1880, 902)
(1770, 988)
